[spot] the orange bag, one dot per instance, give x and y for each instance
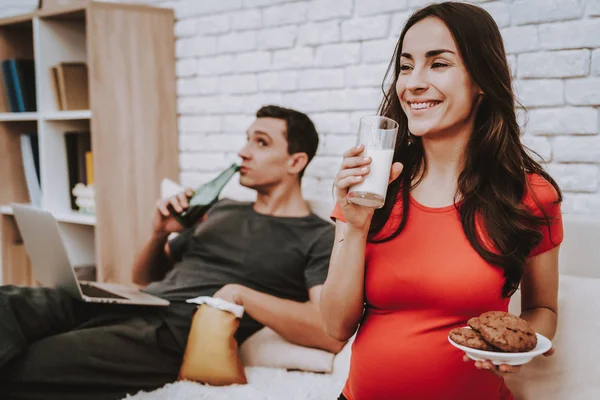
(211, 354)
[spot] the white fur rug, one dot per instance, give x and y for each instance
(263, 384)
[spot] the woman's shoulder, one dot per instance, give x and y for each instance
(543, 199)
(540, 193)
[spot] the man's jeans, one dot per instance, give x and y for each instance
(55, 347)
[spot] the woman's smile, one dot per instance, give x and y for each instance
(422, 106)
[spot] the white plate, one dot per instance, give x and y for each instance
(543, 345)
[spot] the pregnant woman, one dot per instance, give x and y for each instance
(469, 218)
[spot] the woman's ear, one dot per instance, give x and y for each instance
(297, 163)
(479, 93)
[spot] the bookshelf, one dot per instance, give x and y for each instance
(67, 115)
(23, 116)
(129, 51)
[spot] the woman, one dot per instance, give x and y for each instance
(469, 216)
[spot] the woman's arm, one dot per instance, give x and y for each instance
(539, 292)
(342, 296)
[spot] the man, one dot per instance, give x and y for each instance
(270, 256)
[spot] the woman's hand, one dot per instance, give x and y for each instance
(502, 369)
(353, 170)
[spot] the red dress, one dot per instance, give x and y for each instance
(420, 285)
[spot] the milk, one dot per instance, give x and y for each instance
(372, 190)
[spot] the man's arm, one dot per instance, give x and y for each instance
(151, 262)
(299, 323)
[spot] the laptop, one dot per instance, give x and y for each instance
(52, 268)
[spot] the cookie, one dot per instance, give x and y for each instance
(493, 314)
(507, 332)
(470, 338)
(474, 323)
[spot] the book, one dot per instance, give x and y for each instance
(56, 88)
(19, 81)
(71, 147)
(14, 76)
(25, 73)
(9, 86)
(72, 85)
(77, 144)
(4, 100)
(89, 167)
(84, 144)
(32, 176)
(35, 147)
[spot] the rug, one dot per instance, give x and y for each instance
(263, 384)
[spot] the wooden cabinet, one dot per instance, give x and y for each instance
(130, 55)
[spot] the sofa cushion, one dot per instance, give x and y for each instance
(341, 364)
(322, 207)
(572, 372)
(266, 348)
(579, 253)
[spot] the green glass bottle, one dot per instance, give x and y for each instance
(203, 198)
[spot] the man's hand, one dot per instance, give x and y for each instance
(163, 221)
(232, 293)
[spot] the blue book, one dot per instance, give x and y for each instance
(9, 85)
(19, 79)
(26, 74)
(17, 85)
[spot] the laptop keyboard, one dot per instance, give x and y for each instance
(93, 291)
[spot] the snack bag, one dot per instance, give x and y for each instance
(211, 354)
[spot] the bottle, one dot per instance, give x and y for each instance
(203, 198)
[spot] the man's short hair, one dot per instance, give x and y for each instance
(301, 135)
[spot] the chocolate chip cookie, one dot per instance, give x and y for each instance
(474, 323)
(507, 332)
(494, 314)
(470, 338)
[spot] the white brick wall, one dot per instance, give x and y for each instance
(328, 57)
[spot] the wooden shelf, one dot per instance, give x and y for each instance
(76, 218)
(71, 217)
(133, 146)
(59, 11)
(6, 210)
(18, 116)
(48, 116)
(67, 115)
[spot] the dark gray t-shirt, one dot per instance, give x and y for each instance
(280, 256)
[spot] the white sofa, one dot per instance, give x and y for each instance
(571, 374)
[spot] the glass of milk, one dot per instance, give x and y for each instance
(378, 135)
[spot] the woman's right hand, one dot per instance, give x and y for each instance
(354, 168)
(163, 221)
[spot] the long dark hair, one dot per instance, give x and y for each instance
(494, 181)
